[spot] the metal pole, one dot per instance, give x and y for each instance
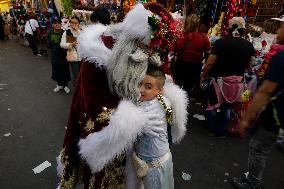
(255, 15)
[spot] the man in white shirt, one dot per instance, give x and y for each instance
(31, 28)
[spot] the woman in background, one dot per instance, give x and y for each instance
(69, 42)
(190, 48)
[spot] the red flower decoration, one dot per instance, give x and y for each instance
(263, 43)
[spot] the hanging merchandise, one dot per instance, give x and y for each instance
(214, 10)
(127, 4)
(201, 6)
(4, 6)
(214, 33)
(67, 7)
(233, 8)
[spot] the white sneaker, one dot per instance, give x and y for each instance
(39, 55)
(57, 88)
(66, 89)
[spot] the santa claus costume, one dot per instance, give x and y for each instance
(104, 119)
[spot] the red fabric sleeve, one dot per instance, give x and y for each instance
(207, 43)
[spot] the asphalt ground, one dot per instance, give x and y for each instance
(33, 117)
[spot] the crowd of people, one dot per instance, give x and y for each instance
(124, 81)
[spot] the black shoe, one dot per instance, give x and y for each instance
(211, 134)
(243, 183)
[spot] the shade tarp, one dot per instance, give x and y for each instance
(58, 5)
(4, 6)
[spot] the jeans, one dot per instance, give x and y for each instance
(259, 147)
(75, 69)
(217, 121)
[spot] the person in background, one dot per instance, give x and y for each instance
(65, 25)
(190, 54)
(31, 30)
(14, 26)
(7, 28)
(69, 42)
(266, 115)
(224, 73)
(2, 24)
(60, 67)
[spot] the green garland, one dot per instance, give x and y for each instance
(67, 7)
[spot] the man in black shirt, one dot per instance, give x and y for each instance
(270, 96)
(229, 59)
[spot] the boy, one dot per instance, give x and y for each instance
(152, 152)
(60, 67)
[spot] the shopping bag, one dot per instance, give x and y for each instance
(71, 55)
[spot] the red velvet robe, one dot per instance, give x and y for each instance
(91, 105)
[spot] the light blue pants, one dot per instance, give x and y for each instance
(161, 177)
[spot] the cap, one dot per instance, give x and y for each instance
(281, 18)
(56, 20)
(239, 21)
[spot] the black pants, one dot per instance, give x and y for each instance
(2, 36)
(187, 75)
(32, 43)
(62, 83)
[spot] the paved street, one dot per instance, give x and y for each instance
(33, 117)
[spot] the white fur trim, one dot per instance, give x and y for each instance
(135, 24)
(91, 46)
(131, 177)
(60, 166)
(100, 148)
(179, 102)
(139, 56)
(155, 59)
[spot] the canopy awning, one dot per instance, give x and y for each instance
(4, 5)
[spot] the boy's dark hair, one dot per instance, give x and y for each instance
(100, 15)
(158, 73)
(75, 17)
(56, 20)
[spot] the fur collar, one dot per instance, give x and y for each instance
(91, 47)
(179, 102)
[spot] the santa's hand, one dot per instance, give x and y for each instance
(153, 131)
(154, 126)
